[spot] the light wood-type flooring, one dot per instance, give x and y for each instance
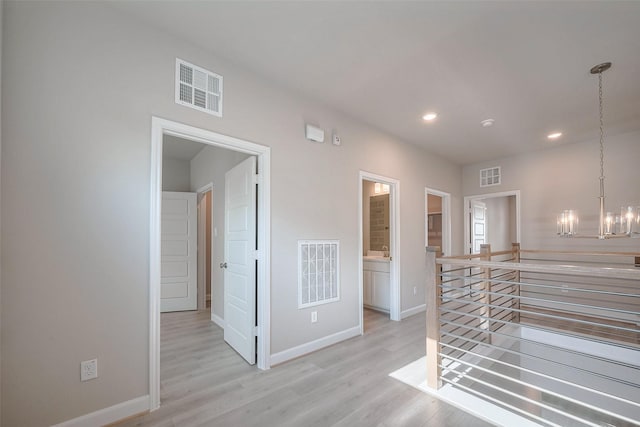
(574, 323)
(205, 383)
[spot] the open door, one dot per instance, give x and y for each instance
(478, 225)
(239, 259)
(178, 275)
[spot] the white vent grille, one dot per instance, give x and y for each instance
(318, 268)
(490, 177)
(198, 88)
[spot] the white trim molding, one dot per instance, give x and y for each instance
(111, 414)
(159, 128)
(413, 310)
(316, 345)
(217, 319)
(205, 188)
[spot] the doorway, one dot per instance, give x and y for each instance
(379, 261)
(492, 218)
(438, 220)
(205, 252)
(160, 129)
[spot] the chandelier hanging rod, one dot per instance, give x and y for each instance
(629, 218)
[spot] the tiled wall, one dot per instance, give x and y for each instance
(379, 222)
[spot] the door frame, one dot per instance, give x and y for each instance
(467, 201)
(394, 239)
(202, 299)
(446, 218)
(160, 127)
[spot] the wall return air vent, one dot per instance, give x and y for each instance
(318, 272)
(490, 177)
(198, 88)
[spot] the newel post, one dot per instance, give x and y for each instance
(485, 255)
(515, 249)
(434, 297)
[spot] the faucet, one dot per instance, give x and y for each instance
(385, 248)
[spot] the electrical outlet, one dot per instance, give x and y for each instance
(415, 290)
(314, 316)
(88, 370)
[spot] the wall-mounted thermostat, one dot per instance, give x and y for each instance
(313, 133)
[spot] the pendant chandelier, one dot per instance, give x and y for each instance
(611, 225)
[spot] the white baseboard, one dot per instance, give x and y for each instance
(312, 346)
(111, 414)
(413, 310)
(217, 320)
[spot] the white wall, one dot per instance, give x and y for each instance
(210, 166)
(566, 177)
(501, 225)
(176, 174)
(87, 296)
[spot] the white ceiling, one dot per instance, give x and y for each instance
(524, 64)
(181, 149)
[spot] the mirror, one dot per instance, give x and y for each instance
(376, 218)
(379, 223)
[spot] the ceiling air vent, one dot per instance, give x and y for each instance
(198, 88)
(490, 177)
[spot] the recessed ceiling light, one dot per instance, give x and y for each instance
(554, 135)
(487, 123)
(429, 116)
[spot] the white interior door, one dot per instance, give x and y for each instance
(478, 225)
(178, 276)
(239, 259)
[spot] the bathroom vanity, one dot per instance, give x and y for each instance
(376, 283)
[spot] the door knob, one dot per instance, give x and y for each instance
(223, 265)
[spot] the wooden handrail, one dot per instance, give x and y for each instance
(477, 256)
(587, 253)
(612, 273)
(542, 251)
(470, 256)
